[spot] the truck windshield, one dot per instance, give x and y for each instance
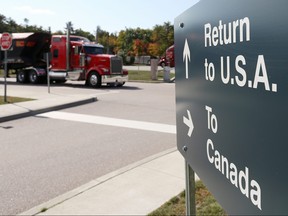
(93, 50)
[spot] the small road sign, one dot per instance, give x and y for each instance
(6, 41)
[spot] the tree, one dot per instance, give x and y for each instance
(108, 40)
(59, 32)
(85, 34)
(26, 21)
(138, 41)
(3, 23)
(134, 41)
(129, 42)
(162, 37)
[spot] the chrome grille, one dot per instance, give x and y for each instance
(116, 65)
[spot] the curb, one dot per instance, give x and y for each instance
(47, 109)
(93, 183)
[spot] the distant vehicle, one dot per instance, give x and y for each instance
(145, 60)
(71, 58)
(168, 58)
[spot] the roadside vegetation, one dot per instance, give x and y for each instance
(145, 76)
(205, 204)
(128, 43)
(11, 99)
(11, 73)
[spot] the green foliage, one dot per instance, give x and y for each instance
(107, 39)
(129, 42)
(11, 99)
(9, 25)
(137, 42)
(85, 34)
(145, 76)
(163, 37)
(205, 204)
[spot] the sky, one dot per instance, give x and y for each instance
(111, 15)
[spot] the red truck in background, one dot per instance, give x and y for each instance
(70, 58)
(168, 58)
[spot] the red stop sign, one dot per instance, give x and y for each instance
(6, 41)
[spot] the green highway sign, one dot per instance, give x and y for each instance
(231, 101)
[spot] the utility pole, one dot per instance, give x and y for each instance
(69, 26)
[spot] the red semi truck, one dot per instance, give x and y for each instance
(70, 58)
(168, 59)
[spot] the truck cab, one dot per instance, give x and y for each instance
(79, 59)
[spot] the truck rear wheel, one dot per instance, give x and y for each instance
(94, 80)
(120, 84)
(33, 77)
(21, 76)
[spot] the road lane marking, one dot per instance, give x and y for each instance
(141, 125)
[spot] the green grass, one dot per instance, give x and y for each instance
(205, 204)
(13, 100)
(11, 73)
(145, 76)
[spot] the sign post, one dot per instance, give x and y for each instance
(231, 101)
(6, 43)
(190, 190)
(5, 76)
(47, 68)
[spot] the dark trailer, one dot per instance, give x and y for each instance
(27, 55)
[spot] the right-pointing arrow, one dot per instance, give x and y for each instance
(188, 121)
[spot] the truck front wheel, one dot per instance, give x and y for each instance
(94, 80)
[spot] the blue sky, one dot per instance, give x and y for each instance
(111, 15)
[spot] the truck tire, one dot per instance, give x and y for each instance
(94, 80)
(33, 77)
(162, 64)
(21, 76)
(120, 84)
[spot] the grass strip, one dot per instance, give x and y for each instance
(11, 99)
(205, 204)
(138, 75)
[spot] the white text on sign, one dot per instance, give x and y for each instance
(235, 32)
(239, 178)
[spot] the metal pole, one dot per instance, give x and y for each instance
(5, 75)
(190, 190)
(48, 77)
(69, 25)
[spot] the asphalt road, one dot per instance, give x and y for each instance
(42, 157)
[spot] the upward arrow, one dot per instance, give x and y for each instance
(186, 56)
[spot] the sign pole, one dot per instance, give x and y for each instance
(6, 43)
(190, 190)
(48, 77)
(5, 75)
